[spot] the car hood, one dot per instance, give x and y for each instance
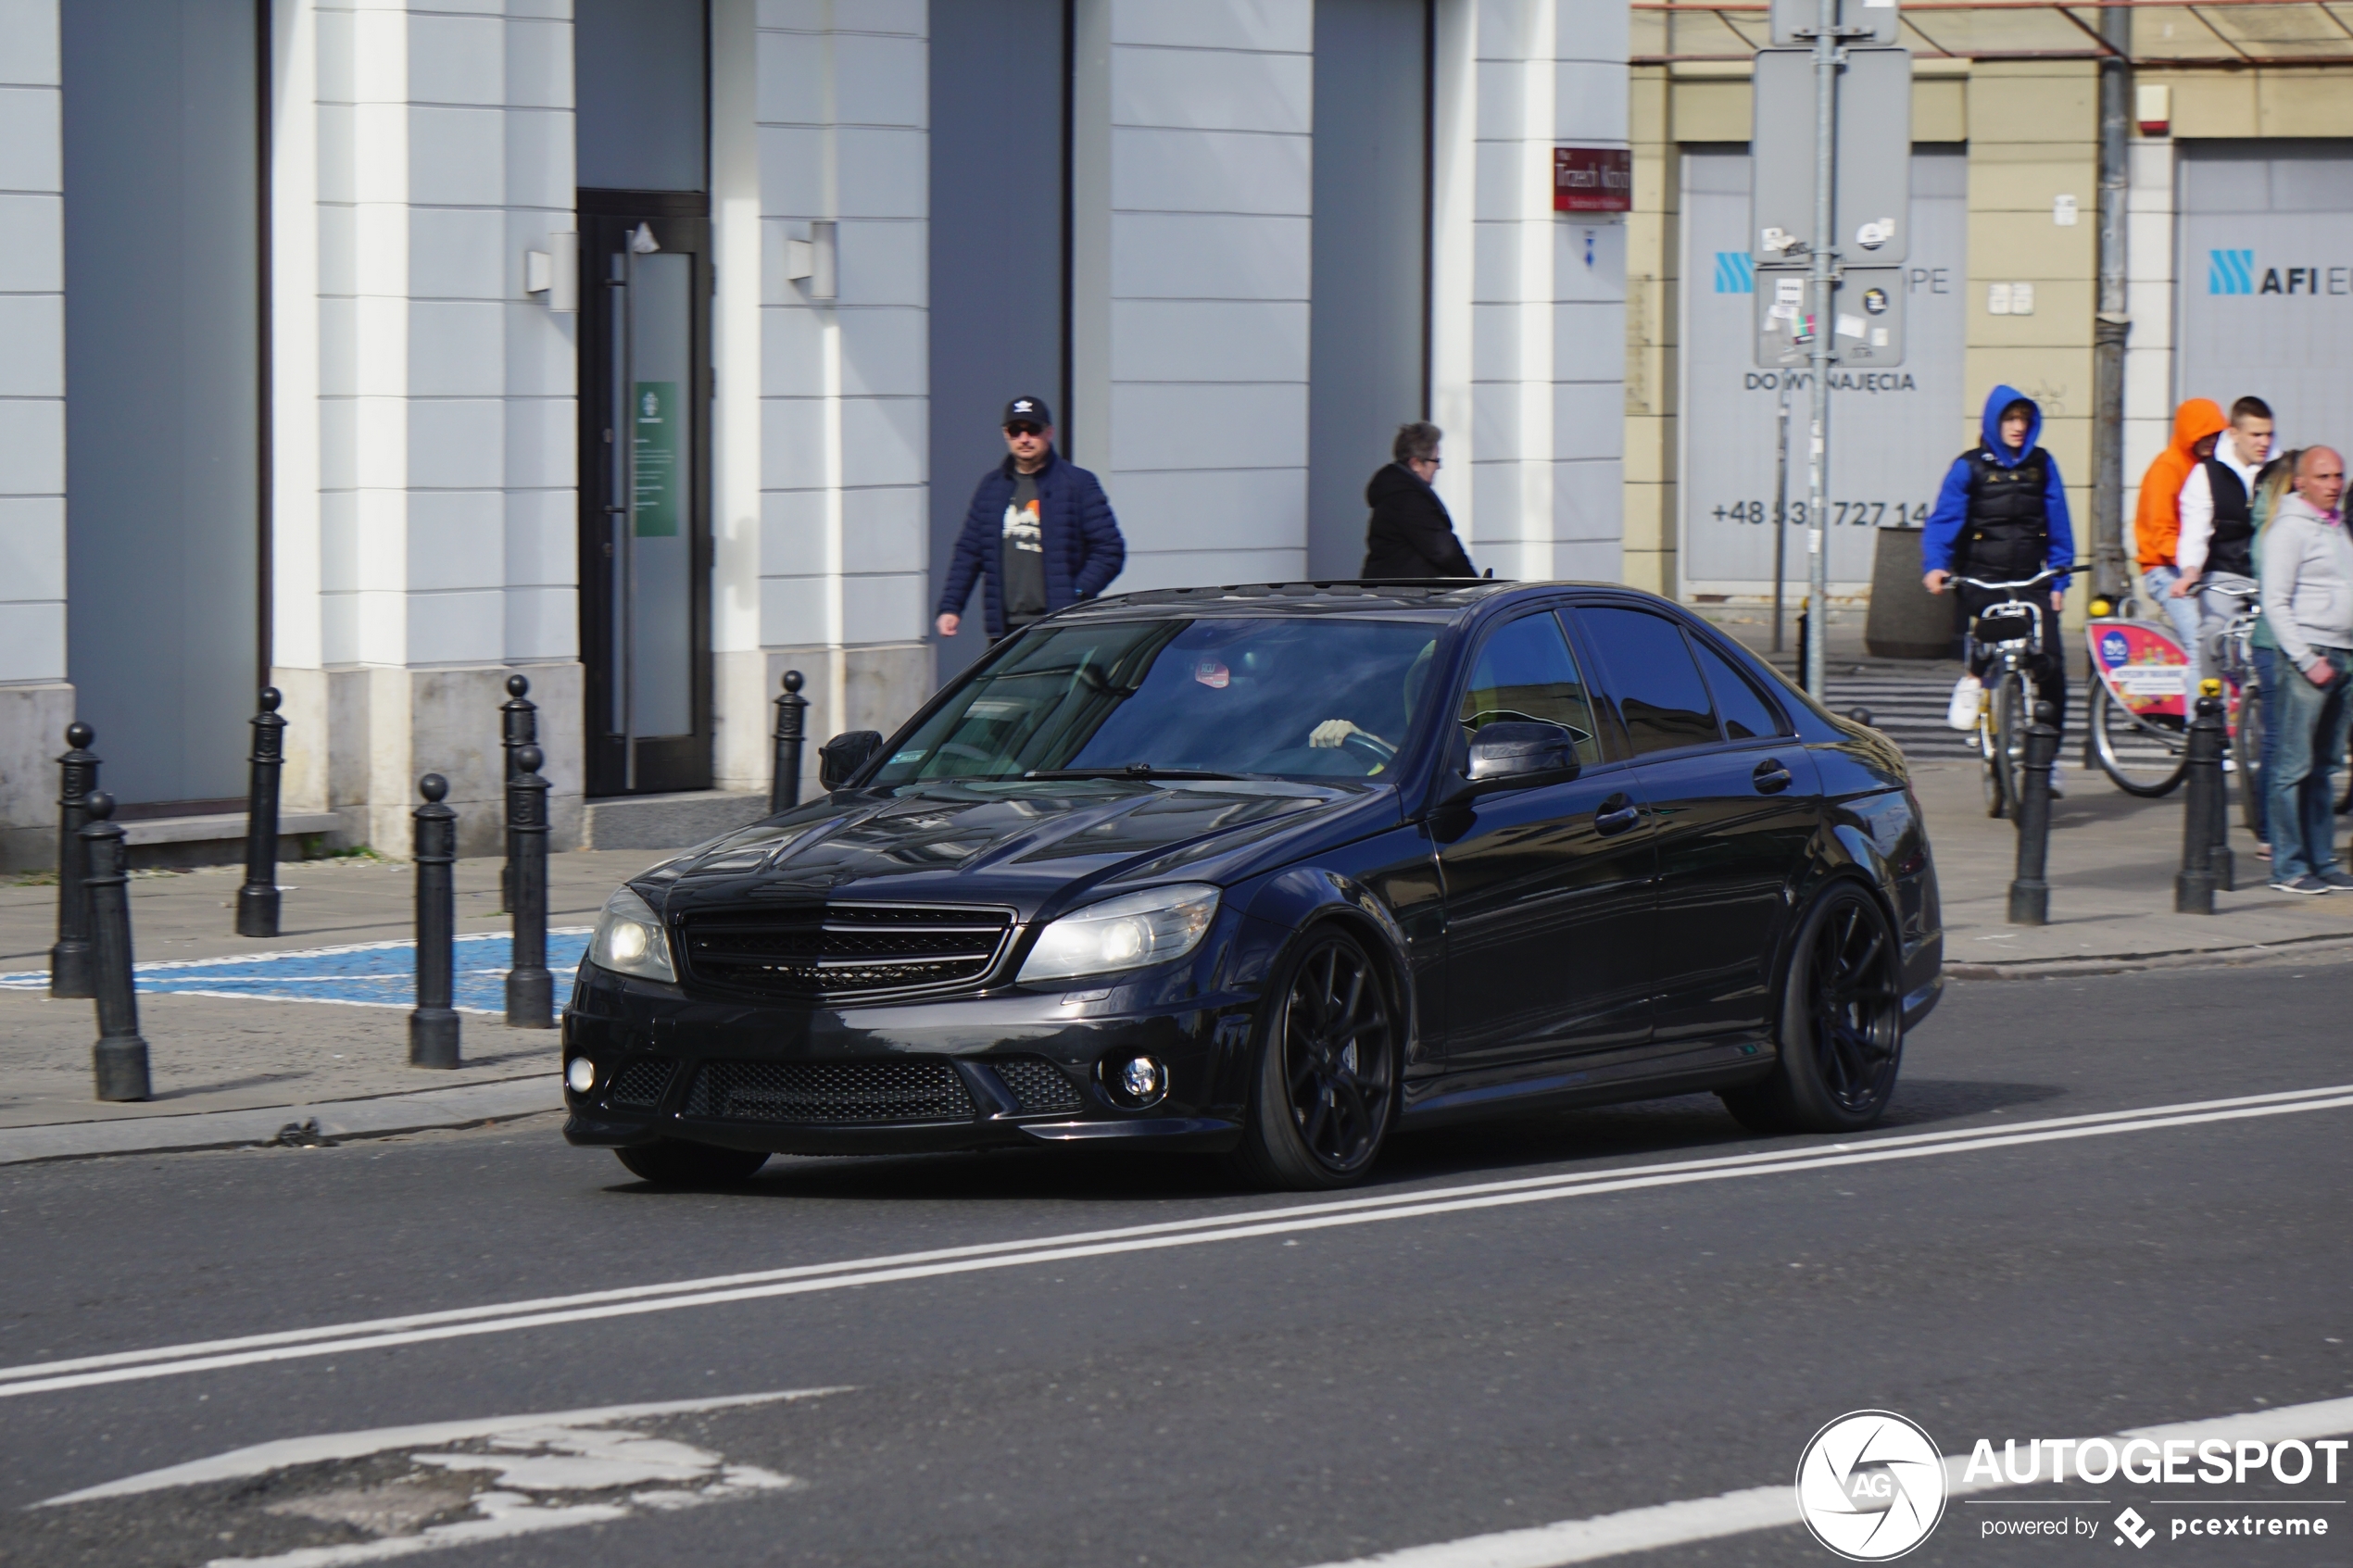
(1029, 844)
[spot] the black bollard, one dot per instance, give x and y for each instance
(258, 899)
(120, 1056)
(2221, 860)
(2030, 890)
(518, 727)
(2194, 888)
(792, 728)
(531, 990)
(77, 776)
(432, 1027)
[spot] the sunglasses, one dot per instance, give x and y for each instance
(1019, 429)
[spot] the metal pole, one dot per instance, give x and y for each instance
(2219, 860)
(432, 1027)
(258, 899)
(627, 435)
(530, 989)
(792, 726)
(2030, 889)
(119, 1058)
(2194, 887)
(518, 727)
(1825, 249)
(1780, 514)
(2111, 575)
(77, 776)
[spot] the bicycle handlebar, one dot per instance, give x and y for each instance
(2037, 580)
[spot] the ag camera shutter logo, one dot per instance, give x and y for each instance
(1871, 1485)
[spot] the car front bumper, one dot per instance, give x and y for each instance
(1031, 1068)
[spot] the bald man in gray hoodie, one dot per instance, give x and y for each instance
(2307, 603)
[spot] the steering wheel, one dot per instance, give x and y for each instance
(1372, 746)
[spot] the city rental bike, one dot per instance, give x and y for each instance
(2011, 630)
(2138, 707)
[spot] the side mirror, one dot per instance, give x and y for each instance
(839, 759)
(1513, 752)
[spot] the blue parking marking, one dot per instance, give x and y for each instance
(379, 974)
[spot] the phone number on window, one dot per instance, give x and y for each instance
(1842, 514)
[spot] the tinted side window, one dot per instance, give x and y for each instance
(1746, 715)
(1527, 672)
(1660, 695)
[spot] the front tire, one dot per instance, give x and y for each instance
(1323, 1087)
(2001, 738)
(1841, 1033)
(674, 1164)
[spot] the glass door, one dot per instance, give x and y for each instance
(645, 389)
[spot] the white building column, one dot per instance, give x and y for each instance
(2149, 348)
(436, 546)
(1193, 187)
(1528, 306)
(818, 116)
(35, 702)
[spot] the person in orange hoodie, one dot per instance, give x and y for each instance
(2156, 523)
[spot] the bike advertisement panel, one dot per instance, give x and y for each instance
(2142, 666)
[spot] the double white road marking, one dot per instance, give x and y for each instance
(170, 1361)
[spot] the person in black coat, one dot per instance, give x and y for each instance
(1410, 534)
(1038, 537)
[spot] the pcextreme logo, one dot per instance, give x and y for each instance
(1871, 1485)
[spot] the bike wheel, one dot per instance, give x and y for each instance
(2003, 741)
(2139, 759)
(2246, 751)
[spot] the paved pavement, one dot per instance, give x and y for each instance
(1620, 1353)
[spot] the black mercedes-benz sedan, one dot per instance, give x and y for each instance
(1270, 872)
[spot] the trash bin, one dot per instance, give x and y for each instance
(1907, 621)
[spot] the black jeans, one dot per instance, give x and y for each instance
(2049, 666)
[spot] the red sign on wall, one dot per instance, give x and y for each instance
(1593, 180)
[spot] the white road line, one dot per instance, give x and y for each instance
(240, 1464)
(1384, 1201)
(1772, 1508)
(166, 1361)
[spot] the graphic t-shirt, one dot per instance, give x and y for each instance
(1023, 554)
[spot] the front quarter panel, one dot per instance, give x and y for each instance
(1882, 835)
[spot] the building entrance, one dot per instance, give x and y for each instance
(645, 484)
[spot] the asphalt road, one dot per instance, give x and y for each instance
(1290, 1392)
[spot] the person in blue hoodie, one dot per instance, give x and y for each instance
(2001, 515)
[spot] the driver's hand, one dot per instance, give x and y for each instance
(1934, 581)
(1330, 733)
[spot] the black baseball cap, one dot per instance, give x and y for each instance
(1027, 410)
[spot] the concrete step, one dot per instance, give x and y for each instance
(668, 821)
(219, 838)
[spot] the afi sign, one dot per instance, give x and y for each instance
(1593, 180)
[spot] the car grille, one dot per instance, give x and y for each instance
(843, 950)
(641, 1083)
(1036, 1083)
(908, 1090)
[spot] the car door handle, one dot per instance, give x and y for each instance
(1617, 813)
(1771, 777)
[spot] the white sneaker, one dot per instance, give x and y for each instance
(1968, 698)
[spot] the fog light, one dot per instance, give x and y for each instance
(1139, 1082)
(581, 1075)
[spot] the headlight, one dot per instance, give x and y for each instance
(1143, 928)
(629, 940)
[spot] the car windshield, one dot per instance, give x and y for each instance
(1323, 698)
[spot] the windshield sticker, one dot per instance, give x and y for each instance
(1209, 672)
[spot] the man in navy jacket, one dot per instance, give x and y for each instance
(1039, 534)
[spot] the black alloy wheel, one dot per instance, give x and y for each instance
(674, 1164)
(1842, 1035)
(1325, 1091)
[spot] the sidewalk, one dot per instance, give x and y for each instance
(233, 1069)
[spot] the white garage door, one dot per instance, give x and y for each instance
(2265, 281)
(1893, 432)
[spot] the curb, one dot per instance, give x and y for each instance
(426, 1109)
(2319, 945)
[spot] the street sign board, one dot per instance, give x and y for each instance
(1593, 180)
(1867, 318)
(1794, 21)
(1873, 193)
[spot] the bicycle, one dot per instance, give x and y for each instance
(2012, 630)
(2139, 707)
